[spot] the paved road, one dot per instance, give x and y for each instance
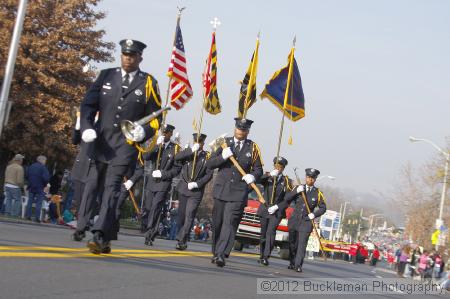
(40, 261)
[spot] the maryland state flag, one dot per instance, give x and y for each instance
(285, 90)
(212, 104)
(247, 96)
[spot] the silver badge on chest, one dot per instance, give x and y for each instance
(138, 92)
(248, 154)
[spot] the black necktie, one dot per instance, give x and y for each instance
(125, 82)
(237, 148)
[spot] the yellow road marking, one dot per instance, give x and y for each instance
(64, 252)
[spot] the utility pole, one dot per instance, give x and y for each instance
(5, 105)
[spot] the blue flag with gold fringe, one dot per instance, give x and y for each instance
(291, 103)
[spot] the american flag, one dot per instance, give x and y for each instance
(180, 87)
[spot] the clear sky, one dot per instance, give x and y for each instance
(374, 72)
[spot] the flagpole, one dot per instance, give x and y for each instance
(286, 96)
(247, 96)
(180, 10)
(215, 24)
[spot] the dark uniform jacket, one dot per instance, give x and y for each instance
(106, 96)
(299, 219)
(202, 175)
(80, 168)
(282, 187)
(169, 169)
(229, 185)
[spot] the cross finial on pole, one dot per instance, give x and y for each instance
(215, 23)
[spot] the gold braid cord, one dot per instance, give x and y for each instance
(288, 183)
(154, 124)
(256, 153)
(321, 196)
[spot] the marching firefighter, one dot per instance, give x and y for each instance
(274, 208)
(118, 94)
(300, 223)
(231, 188)
(160, 182)
(194, 177)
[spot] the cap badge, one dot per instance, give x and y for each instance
(129, 42)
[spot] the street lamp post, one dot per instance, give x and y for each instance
(371, 217)
(341, 223)
(326, 176)
(444, 185)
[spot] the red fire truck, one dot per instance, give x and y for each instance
(249, 229)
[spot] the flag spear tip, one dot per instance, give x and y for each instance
(259, 34)
(180, 10)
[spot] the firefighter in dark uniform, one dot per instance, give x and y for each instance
(191, 187)
(160, 182)
(85, 184)
(300, 223)
(274, 208)
(134, 174)
(231, 188)
(79, 174)
(124, 93)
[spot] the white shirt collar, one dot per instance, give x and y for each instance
(236, 141)
(132, 74)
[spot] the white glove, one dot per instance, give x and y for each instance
(192, 185)
(226, 153)
(78, 124)
(186, 145)
(138, 133)
(274, 172)
(272, 209)
(300, 189)
(156, 174)
(311, 216)
(160, 140)
(128, 184)
(195, 147)
(248, 178)
(89, 135)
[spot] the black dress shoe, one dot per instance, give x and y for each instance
(220, 262)
(107, 248)
(299, 269)
(291, 267)
(148, 241)
(78, 235)
(265, 262)
(214, 259)
(181, 246)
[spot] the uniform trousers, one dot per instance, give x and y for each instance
(187, 208)
(226, 218)
(268, 232)
(154, 205)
